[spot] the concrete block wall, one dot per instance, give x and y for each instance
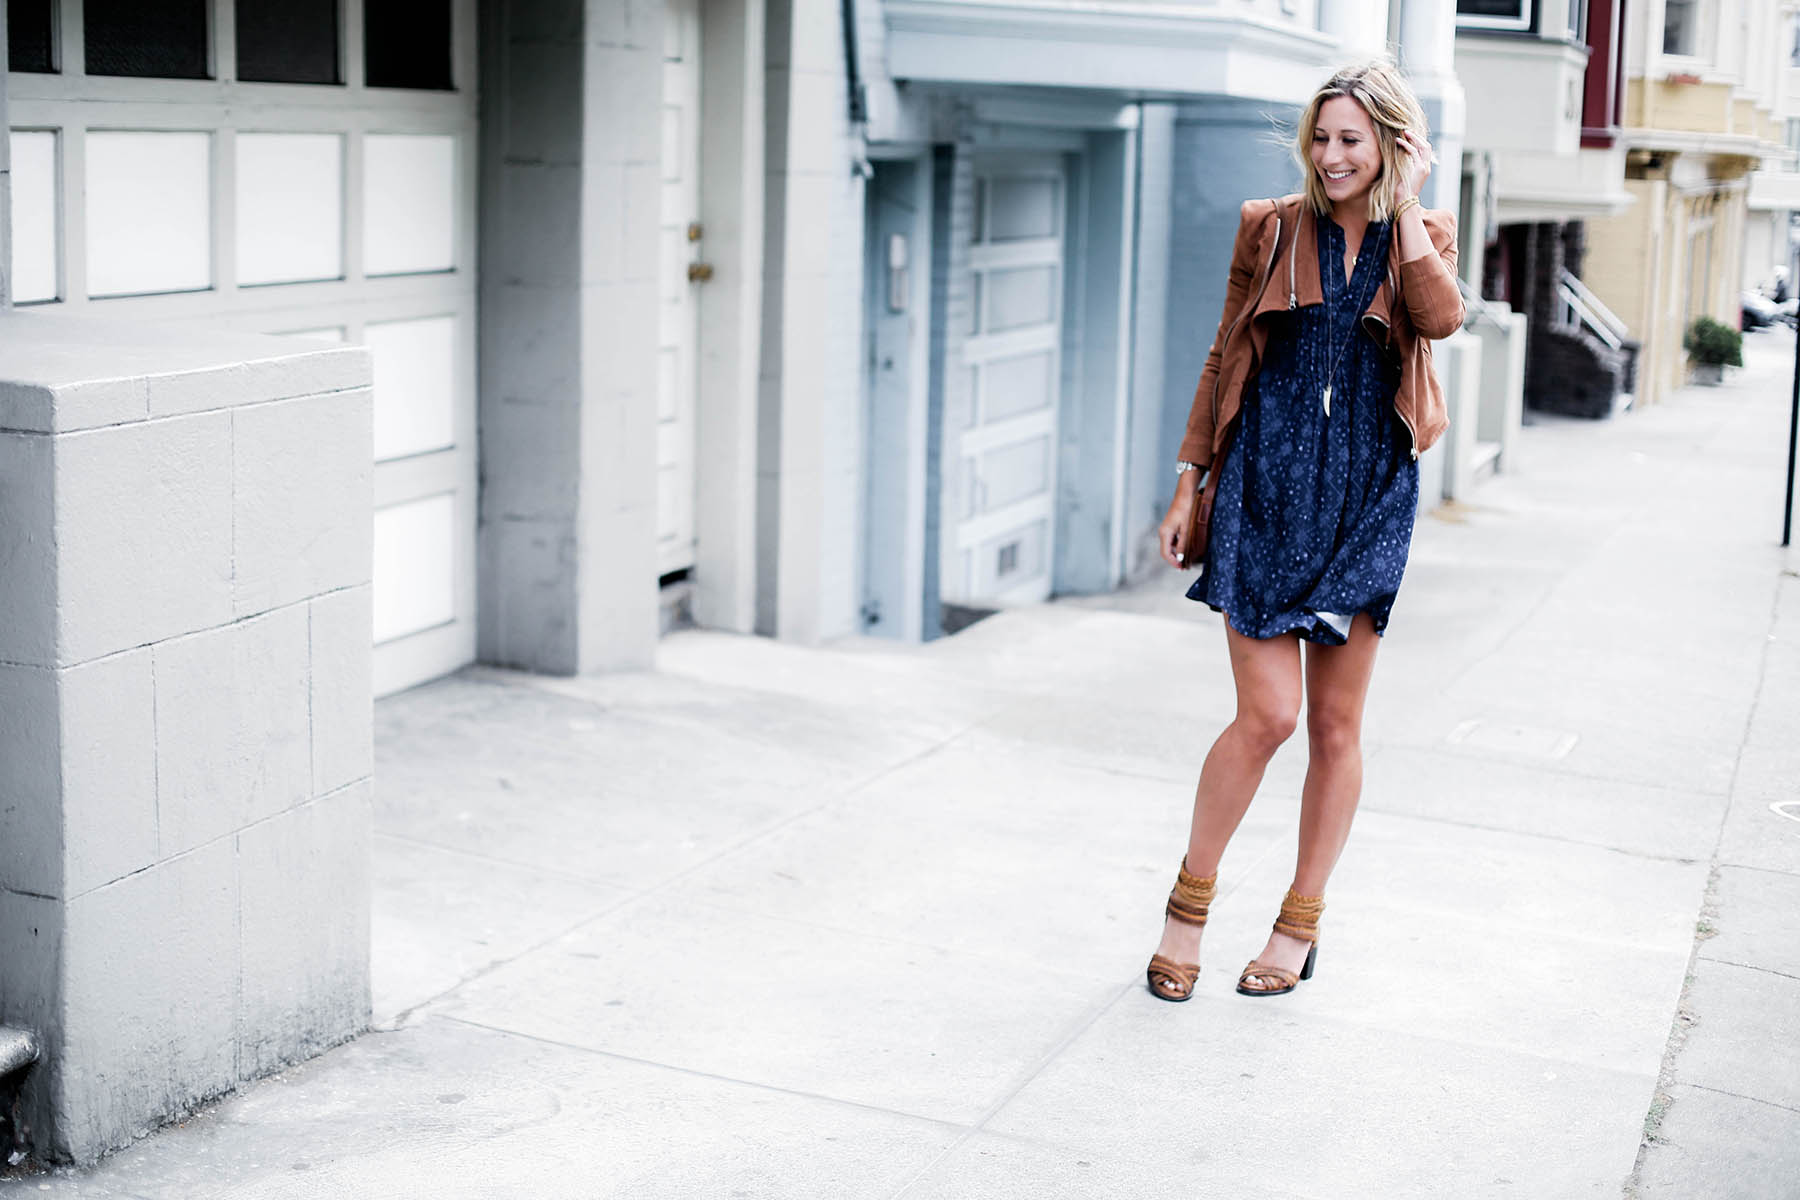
(810, 462)
(185, 718)
(570, 196)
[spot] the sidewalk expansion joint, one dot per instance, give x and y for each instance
(695, 1073)
(1562, 839)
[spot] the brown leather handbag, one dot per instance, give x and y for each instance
(1199, 527)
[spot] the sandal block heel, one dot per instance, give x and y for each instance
(1299, 919)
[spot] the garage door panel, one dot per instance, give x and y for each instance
(415, 566)
(1023, 206)
(415, 385)
(1020, 384)
(149, 212)
(290, 207)
(409, 203)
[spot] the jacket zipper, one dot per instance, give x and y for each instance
(1293, 301)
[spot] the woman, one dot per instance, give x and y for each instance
(1315, 403)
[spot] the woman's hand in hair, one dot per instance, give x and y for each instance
(1418, 161)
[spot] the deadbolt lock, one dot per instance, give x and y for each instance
(694, 231)
(699, 272)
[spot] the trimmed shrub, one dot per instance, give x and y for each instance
(1714, 344)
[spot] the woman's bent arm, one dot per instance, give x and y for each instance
(1428, 272)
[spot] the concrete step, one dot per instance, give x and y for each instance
(1485, 462)
(676, 606)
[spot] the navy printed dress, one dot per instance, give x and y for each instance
(1314, 512)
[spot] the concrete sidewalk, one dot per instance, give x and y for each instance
(868, 921)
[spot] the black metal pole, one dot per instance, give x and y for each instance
(1787, 510)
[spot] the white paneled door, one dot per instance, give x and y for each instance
(680, 252)
(1006, 453)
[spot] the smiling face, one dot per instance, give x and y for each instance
(1345, 152)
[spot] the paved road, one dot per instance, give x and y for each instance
(866, 921)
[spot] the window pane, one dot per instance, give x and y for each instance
(409, 203)
(162, 39)
(406, 44)
(33, 216)
(415, 385)
(1514, 10)
(1021, 296)
(149, 213)
(1016, 385)
(1678, 27)
(295, 41)
(29, 44)
(415, 567)
(290, 207)
(1021, 208)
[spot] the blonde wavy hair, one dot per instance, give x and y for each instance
(1388, 99)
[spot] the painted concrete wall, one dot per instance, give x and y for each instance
(809, 473)
(185, 713)
(1092, 426)
(571, 166)
(1148, 478)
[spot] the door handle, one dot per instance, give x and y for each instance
(699, 272)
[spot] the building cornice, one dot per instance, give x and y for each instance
(1683, 141)
(1172, 51)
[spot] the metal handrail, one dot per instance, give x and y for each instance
(1575, 311)
(1591, 309)
(1477, 309)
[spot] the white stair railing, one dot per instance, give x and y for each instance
(1577, 306)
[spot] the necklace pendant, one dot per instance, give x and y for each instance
(1327, 399)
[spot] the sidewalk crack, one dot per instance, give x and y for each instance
(1728, 962)
(1700, 1087)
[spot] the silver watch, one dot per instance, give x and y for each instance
(1182, 467)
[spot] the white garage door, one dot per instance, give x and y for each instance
(1007, 451)
(271, 181)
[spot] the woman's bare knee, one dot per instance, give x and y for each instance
(1265, 726)
(1333, 733)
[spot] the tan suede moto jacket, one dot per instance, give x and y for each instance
(1275, 267)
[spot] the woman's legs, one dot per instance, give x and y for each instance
(1268, 680)
(1337, 683)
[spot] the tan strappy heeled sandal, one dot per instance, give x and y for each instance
(1299, 919)
(1188, 903)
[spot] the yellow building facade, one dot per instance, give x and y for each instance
(1699, 117)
